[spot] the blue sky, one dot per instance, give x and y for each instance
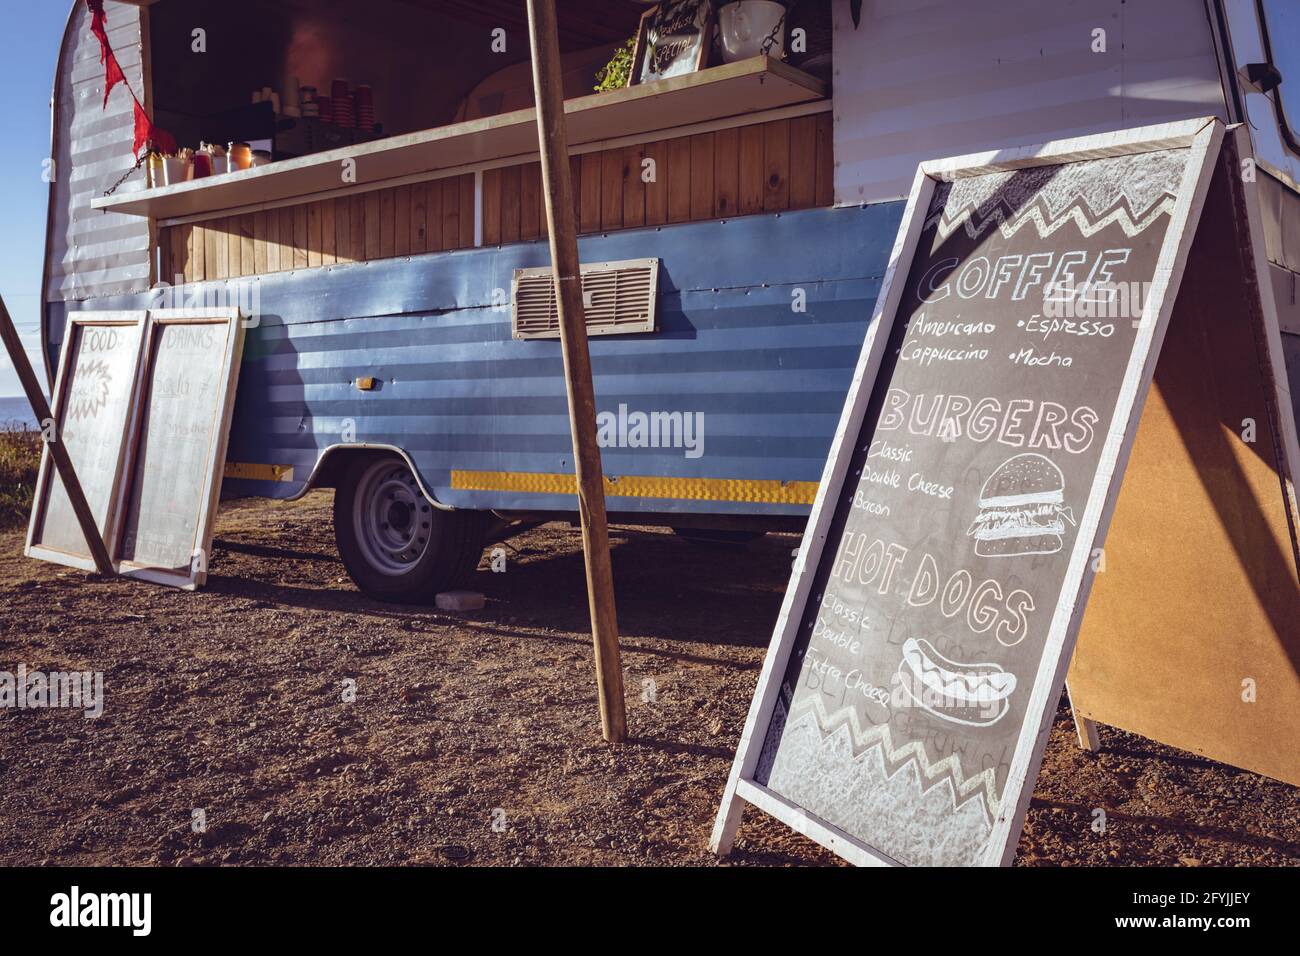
(29, 45)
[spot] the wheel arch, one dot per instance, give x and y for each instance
(336, 459)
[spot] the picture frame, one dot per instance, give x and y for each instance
(693, 55)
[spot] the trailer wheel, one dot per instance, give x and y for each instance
(395, 545)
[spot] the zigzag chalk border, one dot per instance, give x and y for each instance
(948, 770)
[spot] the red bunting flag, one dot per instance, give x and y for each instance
(146, 134)
(112, 74)
(97, 20)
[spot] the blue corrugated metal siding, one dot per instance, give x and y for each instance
(458, 393)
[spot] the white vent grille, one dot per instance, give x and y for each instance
(618, 298)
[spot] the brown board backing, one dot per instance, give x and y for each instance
(1200, 594)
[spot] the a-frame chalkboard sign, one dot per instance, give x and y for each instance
(906, 698)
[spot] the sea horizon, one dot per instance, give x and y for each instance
(14, 410)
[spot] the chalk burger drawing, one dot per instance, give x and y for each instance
(90, 390)
(976, 695)
(1022, 509)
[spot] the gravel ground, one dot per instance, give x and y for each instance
(474, 738)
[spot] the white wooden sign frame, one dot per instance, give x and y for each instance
(1202, 137)
(197, 574)
(135, 320)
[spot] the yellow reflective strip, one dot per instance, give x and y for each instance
(644, 486)
(255, 472)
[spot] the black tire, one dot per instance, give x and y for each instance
(397, 546)
(719, 537)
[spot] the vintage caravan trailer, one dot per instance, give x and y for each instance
(735, 219)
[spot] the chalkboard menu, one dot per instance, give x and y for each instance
(673, 39)
(927, 645)
(185, 419)
(98, 368)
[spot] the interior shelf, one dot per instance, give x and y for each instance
(717, 93)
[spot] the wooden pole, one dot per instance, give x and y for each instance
(557, 185)
(41, 408)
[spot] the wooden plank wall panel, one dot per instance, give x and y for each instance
(247, 258)
(328, 237)
(259, 243)
(234, 245)
(419, 210)
(656, 190)
(199, 251)
(402, 221)
(433, 217)
(491, 207)
(215, 241)
(803, 162)
(301, 231)
(589, 201)
(776, 161)
(825, 159)
(315, 235)
(372, 220)
(531, 212)
(702, 178)
(767, 167)
(165, 268)
(180, 240)
(387, 224)
(679, 179)
(450, 214)
(575, 171)
(342, 229)
(726, 172)
(511, 197)
(612, 172)
(357, 228)
(272, 240)
(286, 237)
(633, 187)
(752, 172)
(466, 212)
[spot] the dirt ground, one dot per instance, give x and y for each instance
(474, 738)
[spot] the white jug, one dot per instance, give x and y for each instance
(745, 26)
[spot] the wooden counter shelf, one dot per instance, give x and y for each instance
(749, 86)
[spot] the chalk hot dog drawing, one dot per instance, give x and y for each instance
(972, 694)
(1022, 509)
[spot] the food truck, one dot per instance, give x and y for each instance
(373, 202)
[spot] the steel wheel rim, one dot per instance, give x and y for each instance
(391, 518)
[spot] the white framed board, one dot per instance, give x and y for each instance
(96, 383)
(186, 400)
(905, 701)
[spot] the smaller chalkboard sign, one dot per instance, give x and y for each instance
(98, 372)
(674, 38)
(192, 367)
